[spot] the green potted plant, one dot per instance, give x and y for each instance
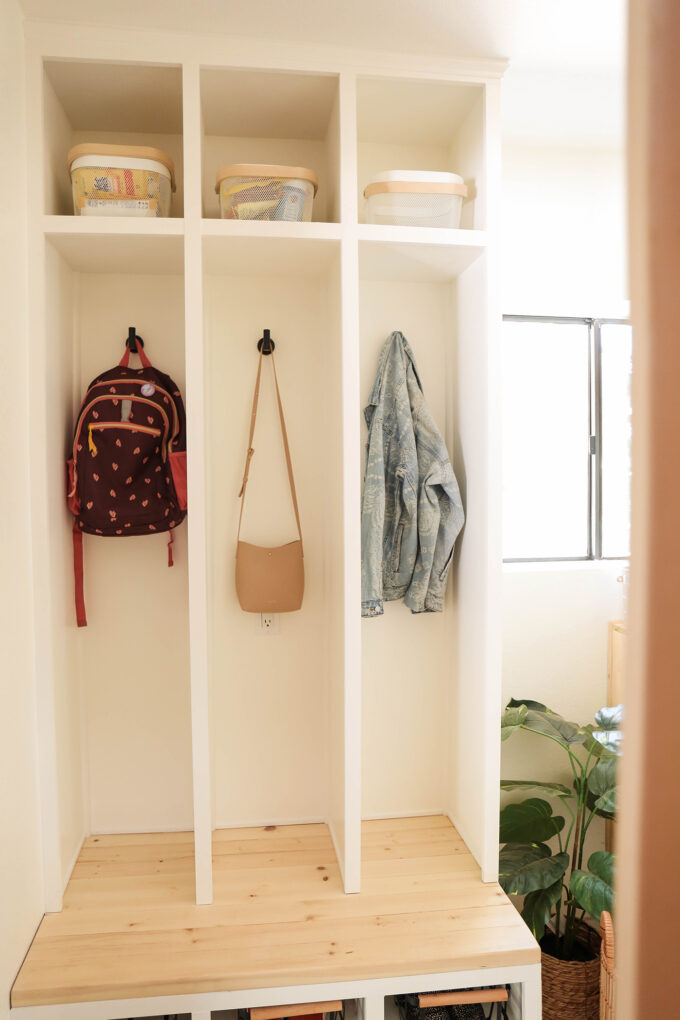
(559, 887)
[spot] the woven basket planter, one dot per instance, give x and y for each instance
(571, 990)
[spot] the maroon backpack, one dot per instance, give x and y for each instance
(128, 473)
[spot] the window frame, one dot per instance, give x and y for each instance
(594, 515)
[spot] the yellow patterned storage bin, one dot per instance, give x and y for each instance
(120, 180)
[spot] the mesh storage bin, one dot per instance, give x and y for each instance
(416, 198)
(120, 180)
(486, 1003)
(257, 191)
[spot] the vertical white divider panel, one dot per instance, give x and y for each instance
(196, 484)
(491, 712)
(41, 527)
(475, 726)
(351, 482)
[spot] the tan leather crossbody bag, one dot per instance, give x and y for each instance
(269, 580)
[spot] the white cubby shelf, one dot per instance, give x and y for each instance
(177, 741)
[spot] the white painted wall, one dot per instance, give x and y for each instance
(555, 638)
(564, 253)
(564, 230)
(20, 864)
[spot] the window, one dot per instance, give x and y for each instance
(566, 438)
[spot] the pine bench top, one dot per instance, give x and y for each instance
(130, 928)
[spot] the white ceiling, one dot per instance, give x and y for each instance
(567, 35)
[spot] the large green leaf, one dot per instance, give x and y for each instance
(549, 789)
(601, 863)
(599, 748)
(538, 907)
(512, 719)
(602, 784)
(530, 821)
(526, 867)
(516, 702)
(591, 893)
(552, 725)
(592, 802)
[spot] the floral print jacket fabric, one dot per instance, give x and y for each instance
(412, 511)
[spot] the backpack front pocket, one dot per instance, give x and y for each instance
(122, 482)
(100, 426)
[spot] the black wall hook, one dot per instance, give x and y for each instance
(265, 344)
(133, 340)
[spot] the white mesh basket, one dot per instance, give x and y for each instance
(120, 180)
(257, 191)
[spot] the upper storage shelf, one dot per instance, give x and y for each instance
(113, 103)
(275, 117)
(410, 124)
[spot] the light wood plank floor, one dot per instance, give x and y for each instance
(129, 927)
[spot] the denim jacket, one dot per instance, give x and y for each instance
(412, 510)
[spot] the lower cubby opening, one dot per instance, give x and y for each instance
(165, 1016)
(486, 1002)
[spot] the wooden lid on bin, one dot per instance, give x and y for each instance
(133, 151)
(415, 187)
(266, 170)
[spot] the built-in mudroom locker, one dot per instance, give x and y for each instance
(243, 810)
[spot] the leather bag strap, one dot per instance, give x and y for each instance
(251, 451)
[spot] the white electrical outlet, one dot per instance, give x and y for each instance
(268, 623)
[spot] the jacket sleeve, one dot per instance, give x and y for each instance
(372, 521)
(440, 519)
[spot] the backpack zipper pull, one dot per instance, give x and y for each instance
(90, 442)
